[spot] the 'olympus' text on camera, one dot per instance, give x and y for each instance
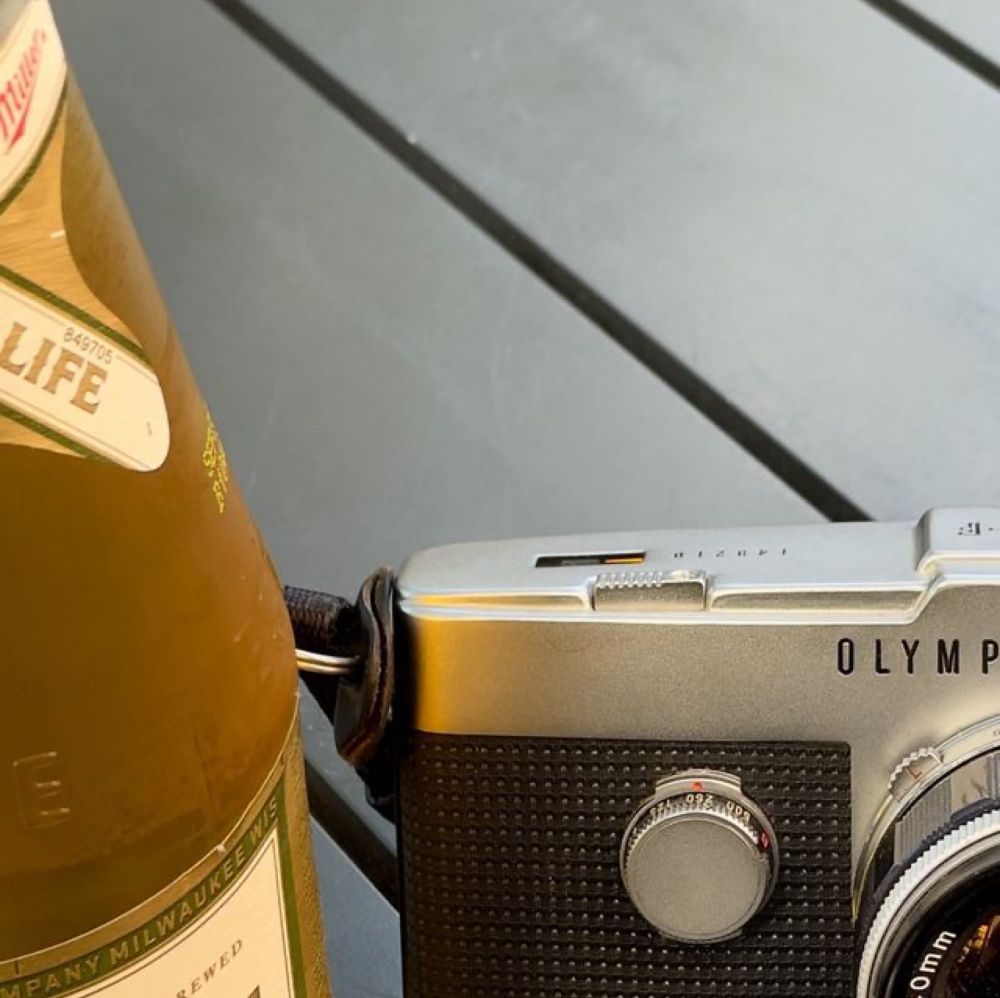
(945, 656)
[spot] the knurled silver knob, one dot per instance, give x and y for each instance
(913, 770)
(699, 858)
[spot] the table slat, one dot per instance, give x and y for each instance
(797, 197)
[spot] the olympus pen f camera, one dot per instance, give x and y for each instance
(759, 761)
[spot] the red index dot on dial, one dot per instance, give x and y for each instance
(697, 786)
(765, 840)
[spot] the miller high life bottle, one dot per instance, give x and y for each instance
(154, 834)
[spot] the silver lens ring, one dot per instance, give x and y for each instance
(971, 848)
(964, 767)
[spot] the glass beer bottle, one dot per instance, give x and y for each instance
(154, 833)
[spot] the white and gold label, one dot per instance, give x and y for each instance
(84, 387)
(229, 928)
(74, 379)
(238, 948)
(32, 74)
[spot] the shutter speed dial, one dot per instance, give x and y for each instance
(699, 858)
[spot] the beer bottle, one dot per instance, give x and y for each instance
(154, 833)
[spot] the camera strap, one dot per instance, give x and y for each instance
(346, 659)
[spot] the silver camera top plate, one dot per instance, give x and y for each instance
(855, 568)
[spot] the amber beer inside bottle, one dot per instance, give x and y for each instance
(154, 836)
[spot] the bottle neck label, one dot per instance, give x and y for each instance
(74, 378)
(32, 77)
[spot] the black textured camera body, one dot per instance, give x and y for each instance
(511, 882)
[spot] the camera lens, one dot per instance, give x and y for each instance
(930, 894)
(956, 952)
(928, 935)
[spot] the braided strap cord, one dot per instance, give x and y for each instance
(323, 623)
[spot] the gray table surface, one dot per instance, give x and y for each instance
(790, 206)
(796, 197)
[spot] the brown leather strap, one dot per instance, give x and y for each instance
(363, 707)
(359, 706)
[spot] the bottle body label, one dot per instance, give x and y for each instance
(229, 928)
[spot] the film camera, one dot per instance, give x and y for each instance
(722, 762)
